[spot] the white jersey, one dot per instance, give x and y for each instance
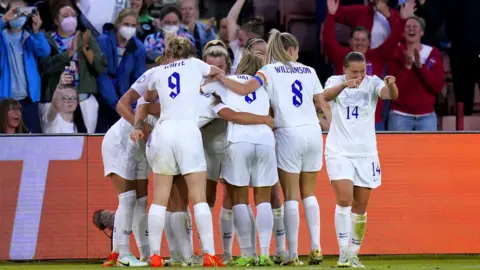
(291, 93)
(178, 87)
(352, 131)
(140, 86)
(255, 103)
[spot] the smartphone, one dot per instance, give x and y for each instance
(26, 11)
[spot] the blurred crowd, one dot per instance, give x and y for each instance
(107, 45)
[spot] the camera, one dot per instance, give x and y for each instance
(25, 11)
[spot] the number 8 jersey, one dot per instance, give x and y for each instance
(291, 91)
(352, 131)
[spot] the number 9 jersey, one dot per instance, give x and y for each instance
(352, 131)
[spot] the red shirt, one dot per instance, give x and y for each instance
(376, 58)
(359, 15)
(417, 87)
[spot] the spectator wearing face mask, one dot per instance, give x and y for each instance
(80, 52)
(202, 33)
(125, 55)
(20, 48)
(360, 39)
(63, 115)
(11, 121)
(419, 73)
(170, 18)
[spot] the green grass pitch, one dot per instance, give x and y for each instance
(371, 263)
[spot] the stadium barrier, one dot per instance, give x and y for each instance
(51, 185)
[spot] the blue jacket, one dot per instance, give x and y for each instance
(204, 36)
(34, 47)
(133, 65)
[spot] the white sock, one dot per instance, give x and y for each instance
(203, 218)
(190, 227)
(244, 227)
(123, 222)
(226, 230)
(139, 227)
(171, 242)
(279, 230)
(359, 224)
(253, 230)
(156, 224)
(180, 232)
(292, 225)
(312, 211)
(265, 225)
(343, 223)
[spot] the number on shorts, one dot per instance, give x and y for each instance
(251, 97)
(375, 168)
(353, 112)
(174, 84)
(297, 93)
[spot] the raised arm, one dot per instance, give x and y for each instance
(232, 18)
(240, 88)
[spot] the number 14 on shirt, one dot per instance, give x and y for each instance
(352, 111)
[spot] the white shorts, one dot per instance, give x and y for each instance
(250, 164)
(117, 156)
(299, 149)
(214, 143)
(363, 171)
(175, 147)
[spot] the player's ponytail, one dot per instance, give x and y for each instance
(278, 45)
(249, 64)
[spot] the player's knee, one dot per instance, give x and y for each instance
(345, 200)
(359, 207)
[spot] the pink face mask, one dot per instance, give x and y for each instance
(69, 25)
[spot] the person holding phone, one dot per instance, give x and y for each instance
(20, 49)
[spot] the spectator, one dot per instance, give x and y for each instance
(202, 33)
(125, 56)
(170, 18)
(222, 31)
(462, 27)
(360, 41)
(82, 54)
(11, 121)
(145, 19)
(418, 69)
(64, 115)
(21, 46)
(98, 13)
(373, 17)
(238, 37)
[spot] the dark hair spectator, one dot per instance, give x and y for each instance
(79, 51)
(418, 69)
(125, 55)
(21, 45)
(11, 121)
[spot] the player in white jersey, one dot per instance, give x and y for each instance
(351, 150)
(295, 92)
(249, 161)
(175, 146)
(126, 164)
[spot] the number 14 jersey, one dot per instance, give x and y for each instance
(291, 91)
(352, 131)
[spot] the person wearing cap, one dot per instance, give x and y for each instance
(419, 72)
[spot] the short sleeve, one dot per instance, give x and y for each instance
(202, 66)
(378, 85)
(217, 108)
(141, 84)
(318, 88)
(262, 76)
(152, 84)
(333, 81)
(213, 87)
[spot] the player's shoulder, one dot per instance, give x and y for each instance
(373, 79)
(334, 80)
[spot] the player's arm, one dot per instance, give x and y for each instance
(390, 90)
(243, 118)
(124, 105)
(332, 92)
(240, 88)
(143, 129)
(324, 124)
(322, 105)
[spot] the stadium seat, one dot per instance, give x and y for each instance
(305, 33)
(300, 10)
(268, 9)
(471, 123)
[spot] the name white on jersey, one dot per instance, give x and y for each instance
(291, 93)
(352, 131)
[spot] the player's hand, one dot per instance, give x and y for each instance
(36, 22)
(332, 6)
(389, 80)
(416, 56)
(221, 77)
(269, 121)
(353, 83)
(211, 23)
(137, 135)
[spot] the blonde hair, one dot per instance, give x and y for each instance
(278, 45)
(125, 13)
(179, 48)
(250, 64)
(216, 48)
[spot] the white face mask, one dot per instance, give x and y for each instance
(171, 28)
(127, 32)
